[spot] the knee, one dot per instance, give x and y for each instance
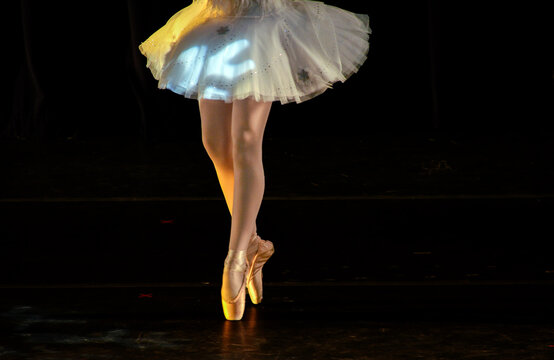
(219, 151)
(247, 148)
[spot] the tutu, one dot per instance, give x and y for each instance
(272, 50)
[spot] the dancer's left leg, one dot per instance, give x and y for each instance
(249, 120)
(216, 119)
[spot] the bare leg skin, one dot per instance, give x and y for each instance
(216, 118)
(232, 135)
(249, 119)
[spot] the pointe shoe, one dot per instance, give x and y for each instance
(233, 305)
(261, 251)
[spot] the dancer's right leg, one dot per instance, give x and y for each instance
(216, 119)
(216, 137)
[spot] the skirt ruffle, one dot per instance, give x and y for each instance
(291, 54)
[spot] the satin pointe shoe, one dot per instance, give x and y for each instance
(234, 277)
(259, 251)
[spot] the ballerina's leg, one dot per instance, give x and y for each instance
(249, 119)
(216, 119)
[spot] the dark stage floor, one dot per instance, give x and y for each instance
(302, 321)
(392, 247)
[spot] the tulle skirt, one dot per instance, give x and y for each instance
(290, 53)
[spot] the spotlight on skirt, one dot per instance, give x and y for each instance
(272, 50)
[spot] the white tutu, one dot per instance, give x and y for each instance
(274, 50)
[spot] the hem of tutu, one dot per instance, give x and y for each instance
(284, 99)
(356, 67)
(259, 97)
(360, 61)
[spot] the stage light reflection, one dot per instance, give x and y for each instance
(244, 335)
(222, 69)
(189, 57)
(220, 64)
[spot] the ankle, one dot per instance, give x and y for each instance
(235, 256)
(236, 253)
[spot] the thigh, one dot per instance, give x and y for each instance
(249, 120)
(216, 117)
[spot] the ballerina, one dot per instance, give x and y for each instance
(236, 57)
